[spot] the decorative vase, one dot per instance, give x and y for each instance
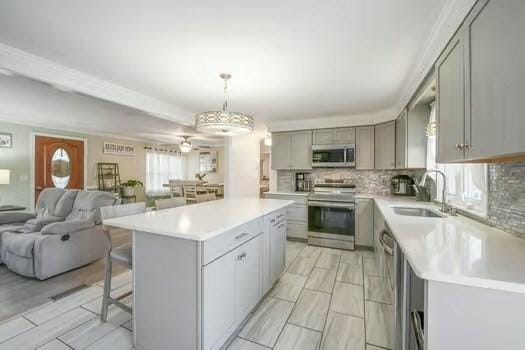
(128, 191)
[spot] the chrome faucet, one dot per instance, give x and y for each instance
(444, 207)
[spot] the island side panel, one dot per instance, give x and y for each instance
(166, 281)
(462, 317)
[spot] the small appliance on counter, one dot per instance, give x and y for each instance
(303, 182)
(402, 185)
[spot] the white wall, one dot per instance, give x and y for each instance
(192, 165)
(241, 173)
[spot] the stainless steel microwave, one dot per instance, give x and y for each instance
(333, 156)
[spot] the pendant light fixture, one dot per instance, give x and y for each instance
(224, 122)
(185, 145)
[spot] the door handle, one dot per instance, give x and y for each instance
(241, 235)
(418, 329)
(387, 249)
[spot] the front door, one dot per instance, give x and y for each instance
(58, 163)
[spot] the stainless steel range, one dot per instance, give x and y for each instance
(331, 216)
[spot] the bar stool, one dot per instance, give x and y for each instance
(121, 254)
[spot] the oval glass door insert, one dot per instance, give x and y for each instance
(61, 168)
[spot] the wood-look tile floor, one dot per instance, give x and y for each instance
(324, 300)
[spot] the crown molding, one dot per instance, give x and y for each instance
(449, 20)
(39, 68)
(332, 121)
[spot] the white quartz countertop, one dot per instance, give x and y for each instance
(202, 221)
(456, 249)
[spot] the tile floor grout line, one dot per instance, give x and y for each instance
(364, 297)
(60, 340)
(323, 335)
(293, 308)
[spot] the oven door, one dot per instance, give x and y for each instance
(331, 220)
(328, 156)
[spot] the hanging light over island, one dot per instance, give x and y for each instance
(224, 122)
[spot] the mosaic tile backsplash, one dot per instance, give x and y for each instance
(506, 193)
(506, 198)
(366, 181)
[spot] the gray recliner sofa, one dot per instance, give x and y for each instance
(64, 234)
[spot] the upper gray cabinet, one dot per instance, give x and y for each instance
(337, 136)
(292, 150)
(301, 150)
(450, 101)
(480, 94)
(281, 150)
(385, 145)
(401, 141)
(495, 79)
(364, 143)
(411, 141)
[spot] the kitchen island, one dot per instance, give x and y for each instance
(200, 269)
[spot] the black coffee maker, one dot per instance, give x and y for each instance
(402, 185)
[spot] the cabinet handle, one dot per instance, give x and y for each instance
(241, 256)
(461, 146)
(418, 329)
(241, 235)
(281, 225)
(466, 146)
(272, 221)
(280, 216)
(386, 248)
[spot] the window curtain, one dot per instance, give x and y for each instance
(162, 167)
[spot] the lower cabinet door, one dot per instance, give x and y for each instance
(277, 250)
(218, 309)
(248, 287)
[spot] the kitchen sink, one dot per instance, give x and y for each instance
(428, 213)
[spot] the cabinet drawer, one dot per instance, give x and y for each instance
(276, 217)
(297, 229)
(296, 198)
(297, 213)
(223, 243)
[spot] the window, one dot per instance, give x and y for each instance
(467, 184)
(162, 167)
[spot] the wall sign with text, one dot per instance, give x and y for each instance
(119, 149)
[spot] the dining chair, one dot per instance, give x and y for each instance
(122, 254)
(190, 193)
(169, 203)
(176, 188)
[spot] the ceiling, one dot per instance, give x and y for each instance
(26, 101)
(290, 60)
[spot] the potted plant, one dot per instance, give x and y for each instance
(129, 187)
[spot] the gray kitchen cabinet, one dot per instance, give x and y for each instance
(480, 73)
(281, 150)
(416, 138)
(365, 222)
(344, 136)
(301, 154)
(385, 145)
(411, 141)
(401, 141)
(365, 147)
(323, 137)
(292, 150)
(450, 101)
(297, 214)
(495, 120)
(335, 136)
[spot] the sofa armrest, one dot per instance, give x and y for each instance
(12, 217)
(65, 227)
